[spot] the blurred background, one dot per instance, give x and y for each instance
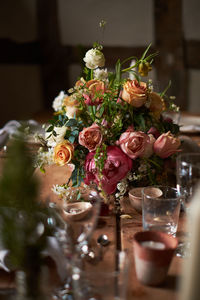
(42, 43)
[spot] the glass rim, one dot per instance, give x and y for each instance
(176, 197)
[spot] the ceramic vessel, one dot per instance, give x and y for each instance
(135, 196)
(153, 252)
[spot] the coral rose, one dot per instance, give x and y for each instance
(116, 167)
(134, 93)
(63, 153)
(71, 106)
(157, 104)
(96, 89)
(90, 137)
(166, 145)
(136, 143)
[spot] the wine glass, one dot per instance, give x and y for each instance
(188, 176)
(77, 214)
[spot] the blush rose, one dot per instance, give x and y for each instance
(166, 145)
(90, 137)
(116, 167)
(136, 143)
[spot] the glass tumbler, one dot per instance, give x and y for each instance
(161, 208)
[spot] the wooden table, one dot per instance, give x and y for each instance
(120, 232)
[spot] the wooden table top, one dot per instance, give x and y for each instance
(120, 232)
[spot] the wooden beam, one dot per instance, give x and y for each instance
(54, 64)
(169, 42)
(192, 54)
(30, 53)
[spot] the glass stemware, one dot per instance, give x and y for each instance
(188, 176)
(77, 215)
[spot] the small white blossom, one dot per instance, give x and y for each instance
(94, 58)
(60, 190)
(44, 158)
(101, 74)
(52, 141)
(58, 101)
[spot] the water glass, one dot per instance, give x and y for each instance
(187, 175)
(108, 282)
(161, 208)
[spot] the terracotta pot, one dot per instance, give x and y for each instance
(153, 252)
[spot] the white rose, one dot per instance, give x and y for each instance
(94, 58)
(52, 141)
(101, 74)
(58, 101)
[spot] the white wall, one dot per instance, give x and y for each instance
(129, 22)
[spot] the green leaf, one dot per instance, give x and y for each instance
(145, 52)
(118, 71)
(71, 139)
(101, 111)
(54, 133)
(49, 129)
(75, 132)
(71, 122)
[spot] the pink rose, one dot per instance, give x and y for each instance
(134, 93)
(116, 167)
(136, 143)
(166, 145)
(90, 137)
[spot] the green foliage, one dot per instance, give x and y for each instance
(23, 218)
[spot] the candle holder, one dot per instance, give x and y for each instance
(153, 252)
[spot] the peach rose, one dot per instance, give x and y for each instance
(136, 143)
(63, 153)
(166, 145)
(134, 93)
(90, 137)
(96, 88)
(157, 104)
(71, 106)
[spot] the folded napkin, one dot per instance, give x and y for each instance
(190, 128)
(189, 123)
(53, 250)
(12, 127)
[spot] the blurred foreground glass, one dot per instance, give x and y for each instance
(105, 283)
(187, 176)
(160, 209)
(78, 214)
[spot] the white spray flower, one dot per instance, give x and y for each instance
(44, 158)
(52, 140)
(101, 74)
(94, 58)
(58, 101)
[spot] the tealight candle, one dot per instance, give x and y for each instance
(153, 245)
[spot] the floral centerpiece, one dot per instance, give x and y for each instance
(110, 129)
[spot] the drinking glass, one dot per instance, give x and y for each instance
(77, 216)
(161, 208)
(187, 176)
(108, 282)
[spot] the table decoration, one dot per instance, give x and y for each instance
(153, 252)
(109, 128)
